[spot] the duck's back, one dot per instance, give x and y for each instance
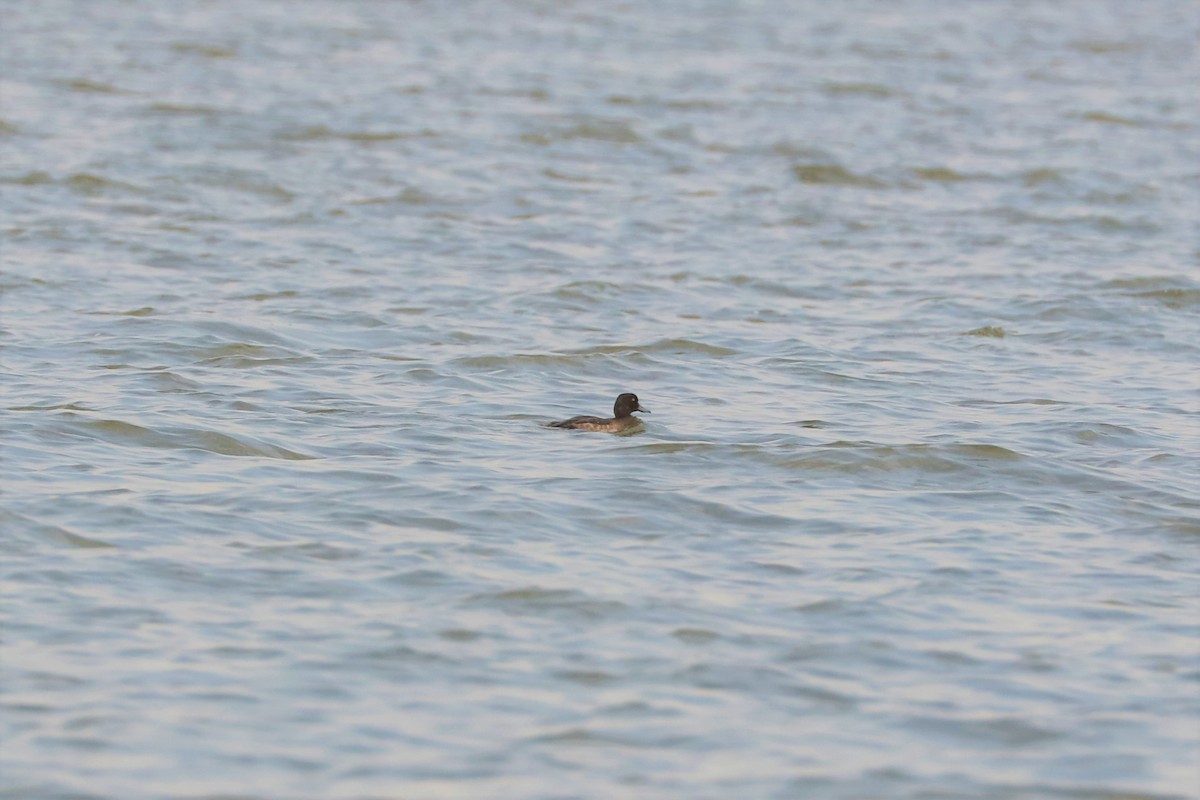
(583, 423)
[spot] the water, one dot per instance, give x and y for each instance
(291, 289)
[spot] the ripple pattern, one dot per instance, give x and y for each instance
(290, 291)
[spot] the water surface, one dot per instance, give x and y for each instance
(291, 289)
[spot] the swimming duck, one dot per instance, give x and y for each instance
(623, 418)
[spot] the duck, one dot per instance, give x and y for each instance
(622, 418)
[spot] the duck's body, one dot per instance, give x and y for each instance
(614, 425)
(622, 418)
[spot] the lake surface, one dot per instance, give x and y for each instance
(291, 290)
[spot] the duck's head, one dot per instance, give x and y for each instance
(627, 404)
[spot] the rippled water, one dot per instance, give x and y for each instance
(292, 288)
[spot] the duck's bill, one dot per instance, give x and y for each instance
(643, 408)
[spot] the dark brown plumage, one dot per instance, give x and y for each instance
(623, 418)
